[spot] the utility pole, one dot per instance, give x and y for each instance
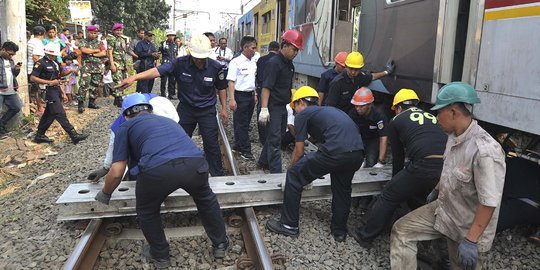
(13, 28)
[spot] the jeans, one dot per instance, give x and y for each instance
(271, 152)
(208, 128)
(242, 119)
(154, 185)
(312, 166)
(13, 104)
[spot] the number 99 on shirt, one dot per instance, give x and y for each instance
(421, 116)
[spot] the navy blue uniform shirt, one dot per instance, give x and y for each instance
(278, 77)
(196, 86)
(144, 50)
(334, 128)
(47, 69)
(168, 50)
(372, 125)
(342, 89)
(324, 83)
(149, 141)
(261, 65)
(415, 133)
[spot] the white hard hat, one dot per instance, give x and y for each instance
(171, 32)
(200, 46)
(52, 48)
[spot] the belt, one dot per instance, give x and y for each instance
(434, 156)
(245, 92)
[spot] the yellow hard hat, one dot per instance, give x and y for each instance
(304, 92)
(354, 60)
(405, 95)
(200, 46)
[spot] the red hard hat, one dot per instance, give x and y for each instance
(294, 37)
(362, 97)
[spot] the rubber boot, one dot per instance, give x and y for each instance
(42, 138)
(115, 102)
(119, 102)
(92, 104)
(81, 106)
(76, 137)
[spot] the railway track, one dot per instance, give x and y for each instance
(86, 252)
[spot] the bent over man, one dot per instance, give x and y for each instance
(340, 154)
(166, 159)
(469, 192)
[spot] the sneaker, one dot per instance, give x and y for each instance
(247, 156)
(158, 263)
(363, 243)
(221, 250)
(278, 227)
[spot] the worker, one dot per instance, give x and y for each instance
(276, 94)
(160, 106)
(344, 85)
(273, 50)
(330, 74)
(415, 135)
(464, 206)
(92, 68)
(166, 160)
(168, 50)
(242, 98)
(118, 53)
(47, 72)
(198, 78)
(372, 124)
(340, 154)
(147, 55)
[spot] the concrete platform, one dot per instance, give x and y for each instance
(77, 202)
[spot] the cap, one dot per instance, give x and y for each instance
(118, 26)
(148, 33)
(93, 28)
(38, 30)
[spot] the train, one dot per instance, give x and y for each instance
(491, 44)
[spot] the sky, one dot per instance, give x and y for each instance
(211, 16)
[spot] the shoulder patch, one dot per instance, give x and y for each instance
(221, 75)
(37, 64)
(380, 125)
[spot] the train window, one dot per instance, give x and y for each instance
(266, 21)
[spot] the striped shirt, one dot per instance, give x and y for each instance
(35, 47)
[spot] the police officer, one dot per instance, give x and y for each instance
(168, 50)
(414, 134)
(166, 160)
(242, 98)
(92, 68)
(330, 74)
(147, 55)
(47, 71)
(117, 52)
(340, 154)
(273, 50)
(344, 85)
(198, 78)
(276, 93)
(372, 124)
(465, 206)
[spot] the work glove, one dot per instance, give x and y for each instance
(97, 174)
(103, 197)
(467, 254)
(390, 66)
(432, 196)
(264, 116)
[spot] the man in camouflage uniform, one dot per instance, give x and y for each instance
(117, 52)
(91, 69)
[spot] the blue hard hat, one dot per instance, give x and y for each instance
(134, 99)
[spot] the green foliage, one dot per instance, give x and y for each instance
(132, 13)
(43, 12)
(160, 35)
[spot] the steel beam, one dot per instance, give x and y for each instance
(77, 202)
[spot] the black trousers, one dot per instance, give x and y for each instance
(241, 119)
(208, 128)
(418, 178)
(287, 139)
(271, 152)
(371, 150)
(54, 110)
(154, 185)
(312, 166)
(169, 81)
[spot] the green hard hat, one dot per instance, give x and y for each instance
(456, 92)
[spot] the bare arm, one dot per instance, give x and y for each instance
(114, 177)
(378, 75)
(265, 96)
(383, 142)
(232, 100)
(223, 100)
(149, 74)
(480, 222)
(298, 152)
(36, 79)
(321, 97)
(89, 51)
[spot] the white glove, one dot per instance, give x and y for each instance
(378, 165)
(264, 116)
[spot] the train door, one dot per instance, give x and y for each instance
(343, 26)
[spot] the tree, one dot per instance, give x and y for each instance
(42, 12)
(133, 14)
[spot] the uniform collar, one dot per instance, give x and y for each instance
(191, 63)
(469, 132)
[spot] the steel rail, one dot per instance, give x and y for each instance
(87, 250)
(253, 239)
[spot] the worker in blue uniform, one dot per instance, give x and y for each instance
(273, 50)
(328, 76)
(413, 134)
(197, 77)
(340, 154)
(166, 159)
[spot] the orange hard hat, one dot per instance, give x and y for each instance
(294, 37)
(363, 96)
(341, 57)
